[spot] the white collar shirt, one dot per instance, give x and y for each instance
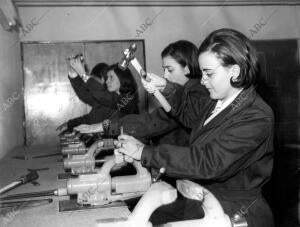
(221, 106)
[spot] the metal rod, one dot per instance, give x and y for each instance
(47, 155)
(27, 203)
(28, 195)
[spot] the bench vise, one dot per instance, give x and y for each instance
(100, 188)
(73, 149)
(85, 163)
(75, 138)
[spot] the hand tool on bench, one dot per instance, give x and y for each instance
(25, 203)
(30, 177)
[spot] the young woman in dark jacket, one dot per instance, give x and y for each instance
(106, 91)
(181, 68)
(231, 145)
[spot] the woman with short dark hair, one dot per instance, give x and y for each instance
(232, 47)
(231, 144)
(184, 53)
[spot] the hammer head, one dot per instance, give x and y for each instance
(128, 55)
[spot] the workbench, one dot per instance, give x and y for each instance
(12, 167)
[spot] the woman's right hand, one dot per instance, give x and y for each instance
(157, 81)
(77, 66)
(89, 128)
(153, 83)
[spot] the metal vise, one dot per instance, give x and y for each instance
(74, 137)
(100, 188)
(85, 163)
(73, 149)
(68, 139)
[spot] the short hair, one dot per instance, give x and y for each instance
(100, 70)
(233, 47)
(186, 54)
(127, 81)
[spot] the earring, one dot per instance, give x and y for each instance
(234, 79)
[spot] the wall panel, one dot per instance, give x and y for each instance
(49, 99)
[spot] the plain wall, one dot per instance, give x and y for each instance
(165, 24)
(158, 26)
(11, 93)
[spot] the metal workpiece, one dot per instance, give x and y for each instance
(139, 182)
(238, 220)
(68, 135)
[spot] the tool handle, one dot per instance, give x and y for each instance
(10, 186)
(162, 100)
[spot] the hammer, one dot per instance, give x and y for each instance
(31, 176)
(129, 57)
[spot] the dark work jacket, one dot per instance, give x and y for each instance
(123, 104)
(232, 155)
(159, 126)
(104, 104)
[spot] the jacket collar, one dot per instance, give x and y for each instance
(244, 99)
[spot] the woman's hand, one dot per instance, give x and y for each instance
(158, 81)
(130, 146)
(149, 87)
(89, 128)
(71, 72)
(153, 83)
(77, 66)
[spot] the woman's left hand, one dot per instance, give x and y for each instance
(85, 129)
(130, 146)
(149, 86)
(154, 83)
(158, 81)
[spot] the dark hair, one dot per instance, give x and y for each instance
(127, 81)
(100, 70)
(128, 88)
(232, 47)
(186, 54)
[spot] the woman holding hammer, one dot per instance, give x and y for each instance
(231, 145)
